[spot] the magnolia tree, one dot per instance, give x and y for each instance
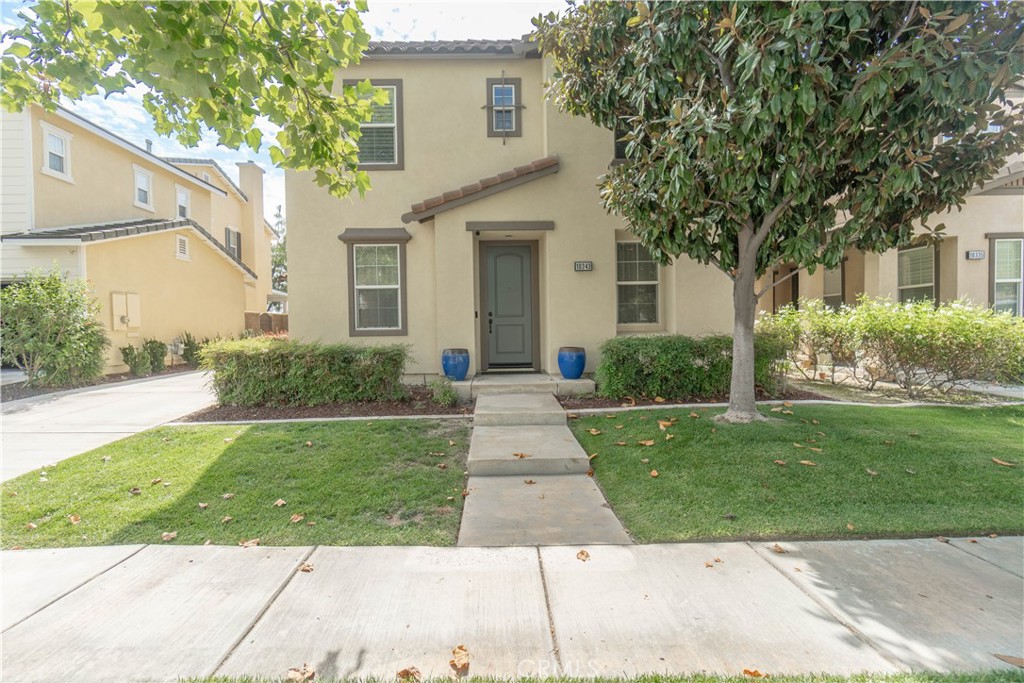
(764, 133)
(216, 64)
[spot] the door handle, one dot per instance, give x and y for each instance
(490, 323)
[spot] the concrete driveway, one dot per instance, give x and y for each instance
(45, 429)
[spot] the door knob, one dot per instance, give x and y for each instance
(490, 322)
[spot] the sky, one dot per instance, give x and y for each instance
(414, 20)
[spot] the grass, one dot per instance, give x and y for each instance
(355, 483)
(935, 473)
(1000, 676)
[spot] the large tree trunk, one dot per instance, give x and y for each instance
(742, 407)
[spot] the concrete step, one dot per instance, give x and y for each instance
(517, 409)
(522, 383)
(551, 449)
(565, 509)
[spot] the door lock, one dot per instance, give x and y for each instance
(490, 322)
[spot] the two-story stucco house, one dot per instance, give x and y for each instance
(484, 229)
(167, 245)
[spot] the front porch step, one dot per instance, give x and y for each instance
(550, 450)
(504, 410)
(522, 383)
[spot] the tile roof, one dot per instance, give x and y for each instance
(187, 161)
(106, 231)
(484, 187)
(515, 47)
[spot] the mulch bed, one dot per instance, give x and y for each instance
(17, 390)
(419, 402)
(595, 401)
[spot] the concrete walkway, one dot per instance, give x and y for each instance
(157, 613)
(46, 429)
(528, 482)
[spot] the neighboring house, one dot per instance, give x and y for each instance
(167, 247)
(484, 229)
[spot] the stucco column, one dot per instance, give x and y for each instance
(250, 179)
(454, 261)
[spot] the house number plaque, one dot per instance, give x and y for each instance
(583, 266)
(975, 255)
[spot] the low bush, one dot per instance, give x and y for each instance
(681, 368)
(157, 351)
(277, 371)
(444, 393)
(51, 330)
(190, 347)
(138, 360)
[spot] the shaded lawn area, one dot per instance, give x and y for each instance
(354, 483)
(883, 471)
(1000, 676)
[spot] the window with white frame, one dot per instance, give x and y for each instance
(183, 199)
(377, 287)
(380, 139)
(1008, 276)
(832, 293)
(143, 188)
(916, 276)
(56, 152)
(181, 248)
(503, 107)
(636, 284)
(233, 241)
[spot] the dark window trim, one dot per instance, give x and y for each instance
(992, 238)
(516, 132)
(386, 236)
(399, 164)
(658, 294)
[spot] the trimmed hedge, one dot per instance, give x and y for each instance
(275, 371)
(681, 368)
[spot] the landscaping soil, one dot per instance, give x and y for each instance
(595, 401)
(419, 402)
(17, 390)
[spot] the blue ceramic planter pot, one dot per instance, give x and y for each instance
(571, 361)
(455, 364)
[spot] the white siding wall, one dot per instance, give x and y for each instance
(15, 173)
(16, 260)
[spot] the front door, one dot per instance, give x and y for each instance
(509, 314)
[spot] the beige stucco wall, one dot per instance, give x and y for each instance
(203, 296)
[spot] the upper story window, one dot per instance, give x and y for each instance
(183, 201)
(636, 284)
(56, 152)
(916, 273)
(233, 242)
(380, 140)
(143, 188)
(504, 106)
(1008, 275)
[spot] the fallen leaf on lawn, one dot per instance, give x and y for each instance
(694, 415)
(442, 466)
(815, 422)
(155, 481)
(305, 568)
(814, 448)
(787, 412)
(460, 661)
(280, 503)
(409, 675)
(669, 437)
(135, 491)
(590, 472)
(310, 523)
(788, 404)
(208, 541)
(993, 535)
(529, 482)
(798, 445)
(251, 543)
(645, 460)
(1004, 463)
(583, 556)
(714, 430)
(620, 443)
(779, 549)
(609, 417)
(646, 442)
(301, 675)
(1009, 659)
(228, 496)
(910, 471)
(18, 547)
(871, 471)
(754, 673)
(30, 526)
(915, 435)
(13, 494)
(780, 463)
(203, 506)
(169, 535)
(521, 455)
(106, 458)
(659, 399)
(228, 440)
(729, 516)
(167, 483)
(888, 443)
(74, 519)
(619, 426)
(654, 473)
(809, 463)
(664, 424)
(296, 518)
(450, 498)
(850, 527)
(308, 444)
(225, 520)
(593, 431)
(776, 409)
(802, 420)
(591, 456)
(632, 402)
(821, 433)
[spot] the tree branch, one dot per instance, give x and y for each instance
(723, 72)
(775, 282)
(767, 223)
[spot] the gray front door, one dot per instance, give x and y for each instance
(509, 306)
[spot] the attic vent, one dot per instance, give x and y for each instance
(206, 176)
(181, 248)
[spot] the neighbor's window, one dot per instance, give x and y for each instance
(380, 141)
(377, 287)
(916, 273)
(184, 201)
(143, 188)
(1008, 280)
(56, 152)
(621, 131)
(503, 107)
(233, 241)
(637, 284)
(833, 287)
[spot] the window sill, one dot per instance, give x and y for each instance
(145, 207)
(402, 332)
(626, 329)
(182, 258)
(46, 170)
(380, 167)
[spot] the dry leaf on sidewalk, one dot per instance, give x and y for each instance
(583, 556)
(521, 455)
(460, 661)
(779, 549)
(301, 675)
(409, 675)
(305, 568)
(252, 543)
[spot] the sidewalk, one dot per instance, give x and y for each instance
(46, 429)
(163, 612)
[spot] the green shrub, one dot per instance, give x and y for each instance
(50, 329)
(157, 351)
(139, 362)
(190, 348)
(278, 371)
(681, 368)
(443, 392)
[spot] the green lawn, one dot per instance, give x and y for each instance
(934, 472)
(354, 483)
(1001, 676)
